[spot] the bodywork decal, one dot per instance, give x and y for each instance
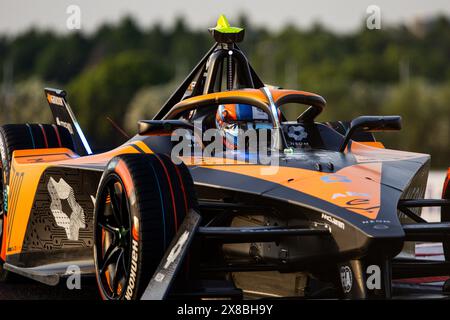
(356, 189)
(60, 191)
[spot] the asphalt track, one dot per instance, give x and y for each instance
(20, 288)
(23, 289)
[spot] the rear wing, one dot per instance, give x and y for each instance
(63, 115)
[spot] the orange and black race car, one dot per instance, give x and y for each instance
(324, 211)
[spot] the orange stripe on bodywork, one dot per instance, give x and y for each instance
(278, 94)
(355, 188)
(143, 146)
(25, 197)
(249, 93)
(43, 155)
(374, 144)
(445, 189)
(102, 158)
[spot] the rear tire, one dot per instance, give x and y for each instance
(20, 137)
(31, 136)
(141, 201)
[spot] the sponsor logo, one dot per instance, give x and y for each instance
(297, 133)
(346, 279)
(334, 221)
(66, 125)
(134, 259)
(55, 100)
(335, 178)
(377, 221)
(61, 191)
(176, 250)
(360, 204)
(135, 229)
(349, 194)
(173, 255)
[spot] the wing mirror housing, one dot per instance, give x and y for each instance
(371, 124)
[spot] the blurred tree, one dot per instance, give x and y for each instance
(28, 104)
(110, 40)
(400, 69)
(24, 50)
(3, 50)
(106, 90)
(419, 100)
(63, 59)
(145, 103)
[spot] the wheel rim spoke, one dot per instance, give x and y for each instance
(123, 203)
(108, 227)
(109, 257)
(124, 266)
(113, 231)
(117, 268)
(115, 206)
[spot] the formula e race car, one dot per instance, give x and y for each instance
(220, 195)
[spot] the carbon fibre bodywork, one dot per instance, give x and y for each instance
(398, 175)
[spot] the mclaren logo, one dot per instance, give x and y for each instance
(59, 192)
(134, 259)
(334, 221)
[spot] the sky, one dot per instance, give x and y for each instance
(340, 16)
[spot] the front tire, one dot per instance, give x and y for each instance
(141, 202)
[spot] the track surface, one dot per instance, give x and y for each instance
(24, 289)
(30, 290)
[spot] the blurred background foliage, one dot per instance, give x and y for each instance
(125, 73)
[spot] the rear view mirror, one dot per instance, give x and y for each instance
(371, 124)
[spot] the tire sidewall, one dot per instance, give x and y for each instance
(4, 161)
(4, 194)
(131, 289)
(3, 151)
